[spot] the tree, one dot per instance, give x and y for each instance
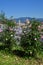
(30, 39)
(3, 17)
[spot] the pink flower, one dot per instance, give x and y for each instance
(1, 30)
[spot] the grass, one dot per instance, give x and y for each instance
(8, 59)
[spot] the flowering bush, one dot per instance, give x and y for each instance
(30, 40)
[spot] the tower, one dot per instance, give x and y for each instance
(19, 23)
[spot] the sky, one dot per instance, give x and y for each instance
(22, 8)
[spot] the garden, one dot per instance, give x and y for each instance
(30, 49)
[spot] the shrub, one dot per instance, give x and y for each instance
(30, 39)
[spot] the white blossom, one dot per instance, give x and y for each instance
(30, 52)
(11, 35)
(6, 39)
(35, 38)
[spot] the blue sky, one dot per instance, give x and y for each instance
(22, 8)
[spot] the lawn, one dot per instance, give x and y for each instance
(8, 59)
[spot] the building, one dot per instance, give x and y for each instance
(27, 21)
(20, 24)
(3, 26)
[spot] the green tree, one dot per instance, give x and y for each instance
(3, 17)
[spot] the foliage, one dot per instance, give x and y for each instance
(10, 23)
(30, 39)
(8, 39)
(7, 36)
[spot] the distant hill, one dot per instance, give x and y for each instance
(23, 19)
